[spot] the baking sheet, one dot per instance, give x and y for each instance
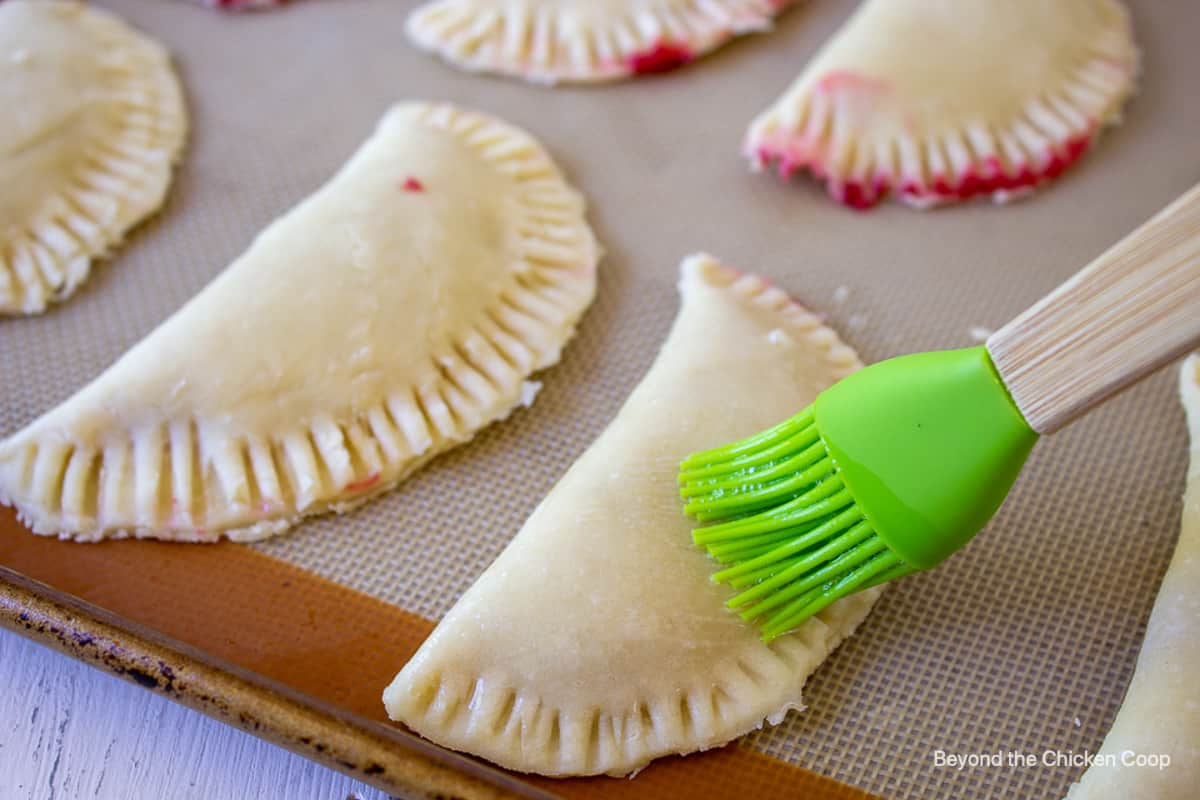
(1023, 642)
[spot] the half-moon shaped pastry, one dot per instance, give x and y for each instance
(946, 101)
(1151, 751)
(577, 41)
(94, 122)
(384, 319)
(596, 641)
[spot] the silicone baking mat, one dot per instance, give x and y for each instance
(1022, 643)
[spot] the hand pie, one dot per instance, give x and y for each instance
(94, 120)
(596, 641)
(944, 101)
(384, 319)
(548, 41)
(1160, 716)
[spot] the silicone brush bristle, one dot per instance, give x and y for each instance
(791, 535)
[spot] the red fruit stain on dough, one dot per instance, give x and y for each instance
(983, 180)
(845, 80)
(364, 484)
(411, 184)
(663, 56)
(992, 178)
(861, 196)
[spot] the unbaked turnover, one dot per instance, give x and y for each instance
(94, 122)
(577, 41)
(938, 102)
(596, 641)
(384, 319)
(1150, 751)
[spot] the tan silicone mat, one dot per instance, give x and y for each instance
(1024, 642)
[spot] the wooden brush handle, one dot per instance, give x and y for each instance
(1129, 312)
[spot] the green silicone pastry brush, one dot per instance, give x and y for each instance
(898, 465)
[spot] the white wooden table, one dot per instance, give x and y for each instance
(69, 732)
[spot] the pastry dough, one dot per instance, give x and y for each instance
(95, 119)
(596, 641)
(1160, 715)
(547, 41)
(386, 318)
(945, 100)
